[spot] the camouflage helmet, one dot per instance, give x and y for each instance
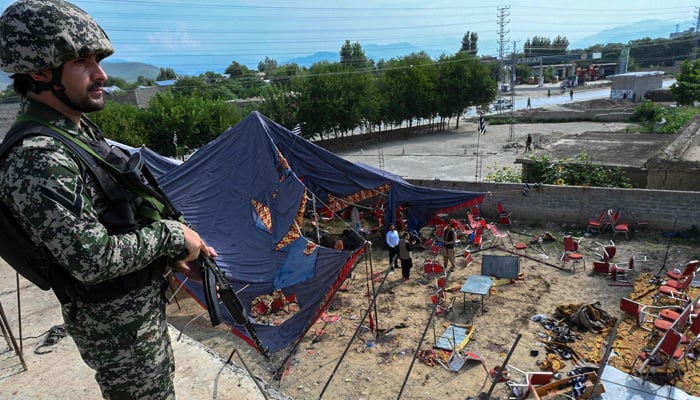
(36, 35)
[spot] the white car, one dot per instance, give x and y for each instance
(502, 104)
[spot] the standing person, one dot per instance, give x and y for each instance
(528, 142)
(449, 238)
(528, 102)
(355, 220)
(571, 94)
(549, 93)
(106, 260)
(392, 241)
(405, 255)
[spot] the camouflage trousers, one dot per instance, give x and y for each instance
(126, 342)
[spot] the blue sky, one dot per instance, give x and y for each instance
(188, 36)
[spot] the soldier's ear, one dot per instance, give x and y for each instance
(43, 76)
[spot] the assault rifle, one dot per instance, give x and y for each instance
(214, 280)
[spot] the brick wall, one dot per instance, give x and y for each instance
(576, 204)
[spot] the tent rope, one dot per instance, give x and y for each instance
(372, 304)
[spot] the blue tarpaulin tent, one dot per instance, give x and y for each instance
(245, 193)
(329, 176)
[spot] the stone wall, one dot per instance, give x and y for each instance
(574, 205)
(674, 168)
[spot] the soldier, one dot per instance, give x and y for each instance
(106, 259)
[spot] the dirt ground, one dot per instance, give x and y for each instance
(330, 363)
(381, 367)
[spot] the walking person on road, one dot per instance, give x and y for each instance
(571, 94)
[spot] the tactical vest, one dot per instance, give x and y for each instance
(132, 204)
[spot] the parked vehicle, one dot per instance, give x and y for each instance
(502, 104)
(568, 83)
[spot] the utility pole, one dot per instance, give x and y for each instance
(694, 56)
(513, 79)
(502, 15)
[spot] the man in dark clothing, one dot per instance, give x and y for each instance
(449, 238)
(405, 255)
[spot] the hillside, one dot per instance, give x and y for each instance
(129, 71)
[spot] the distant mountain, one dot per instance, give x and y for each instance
(130, 71)
(652, 28)
(375, 52)
(306, 61)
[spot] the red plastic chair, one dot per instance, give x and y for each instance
(691, 266)
(619, 227)
(668, 349)
(595, 225)
(503, 215)
(571, 254)
(677, 295)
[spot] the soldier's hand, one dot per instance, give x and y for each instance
(195, 246)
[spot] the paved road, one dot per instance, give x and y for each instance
(538, 95)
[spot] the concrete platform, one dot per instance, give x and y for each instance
(61, 374)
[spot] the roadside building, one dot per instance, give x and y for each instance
(634, 85)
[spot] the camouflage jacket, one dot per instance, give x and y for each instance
(58, 202)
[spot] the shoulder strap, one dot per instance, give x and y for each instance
(92, 159)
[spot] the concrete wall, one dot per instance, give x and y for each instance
(574, 205)
(569, 116)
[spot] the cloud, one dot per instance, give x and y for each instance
(177, 39)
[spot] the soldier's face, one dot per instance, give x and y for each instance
(83, 79)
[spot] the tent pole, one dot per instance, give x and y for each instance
(357, 331)
(420, 342)
(673, 231)
(318, 234)
(371, 268)
(499, 374)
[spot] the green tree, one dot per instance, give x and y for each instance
(560, 45)
(143, 81)
(469, 43)
(209, 86)
(578, 172)
(540, 45)
(114, 81)
(686, 89)
(280, 105)
(461, 82)
(408, 86)
(333, 98)
(166, 74)
(195, 120)
(352, 55)
(122, 122)
(283, 75)
(267, 65)
(523, 72)
(236, 70)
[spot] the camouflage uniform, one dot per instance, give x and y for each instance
(59, 202)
